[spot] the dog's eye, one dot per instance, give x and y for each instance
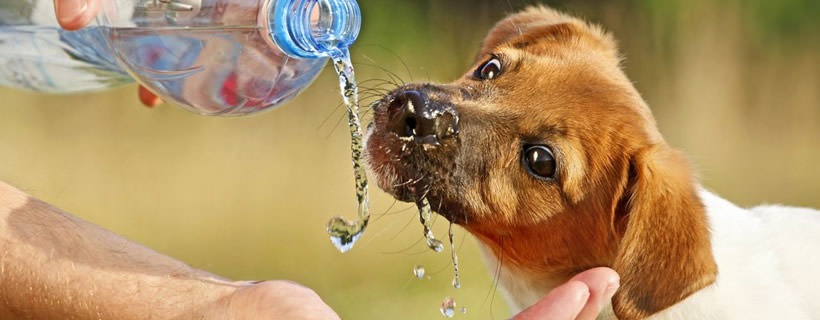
(488, 70)
(539, 161)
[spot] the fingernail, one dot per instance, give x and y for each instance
(583, 295)
(69, 10)
(611, 287)
(148, 98)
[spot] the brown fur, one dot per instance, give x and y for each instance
(622, 198)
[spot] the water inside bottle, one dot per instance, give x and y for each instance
(344, 233)
(214, 70)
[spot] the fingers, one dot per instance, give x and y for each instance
(581, 298)
(279, 300)
(562, 303)
(148, 98)
(75, 14)
(602, 284)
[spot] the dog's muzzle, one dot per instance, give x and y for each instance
(412, 116)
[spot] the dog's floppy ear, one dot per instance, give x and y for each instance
(539, 24)
(665, 252)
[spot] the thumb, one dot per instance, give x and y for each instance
(75, 14)
(148, 98)
(562, 303)
(582, 297)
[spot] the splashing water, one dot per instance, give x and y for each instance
(448, 307)
(424, 215)
(456, 279)
(344, 233)
(418, 271)
(449, 304)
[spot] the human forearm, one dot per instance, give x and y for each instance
(54, 265)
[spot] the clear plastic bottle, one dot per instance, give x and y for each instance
(214, 57)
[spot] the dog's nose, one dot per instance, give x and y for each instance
(413, 115)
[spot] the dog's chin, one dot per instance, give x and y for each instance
(404, 170)
(388, 167)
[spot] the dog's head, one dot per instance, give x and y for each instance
(546, 153)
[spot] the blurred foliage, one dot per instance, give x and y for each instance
(732, 83)
(784, 18)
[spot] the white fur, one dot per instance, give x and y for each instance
(768, 261)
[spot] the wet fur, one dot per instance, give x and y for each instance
(622, 197)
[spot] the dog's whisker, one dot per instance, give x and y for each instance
(388, 227)
(377, 81)
(520, 32)
(374, 90)
(395, 79)
(496, 278)
(330, 115)
(424, 194)
(404, 250)
(399, 211)
(369, 95)
(401, 60)
(409, 221)
(409, 182)
(380, 85)
(364, 95)
(335, 126)
(387, 72)
(378, 216)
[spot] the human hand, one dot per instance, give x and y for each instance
(277, 300)
(97, 274)
(581, 298)
(75, 14)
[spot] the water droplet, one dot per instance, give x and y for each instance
(464, 310)
(418, 271)
(448, 307)
(435, 244)
(424, 216)
(456, 279)
(344, 233)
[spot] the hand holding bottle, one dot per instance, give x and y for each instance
(215, 57)
(76, 14)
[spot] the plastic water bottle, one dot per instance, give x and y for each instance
(214, 57)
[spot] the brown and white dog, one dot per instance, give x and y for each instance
(548, 155)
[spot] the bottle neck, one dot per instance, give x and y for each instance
(313, 28)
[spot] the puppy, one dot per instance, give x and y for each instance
(547, 154)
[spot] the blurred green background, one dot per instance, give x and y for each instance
(735, 84)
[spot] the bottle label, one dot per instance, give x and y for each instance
(49, 59)
(23, 66)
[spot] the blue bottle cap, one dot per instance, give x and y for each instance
(314, 28)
